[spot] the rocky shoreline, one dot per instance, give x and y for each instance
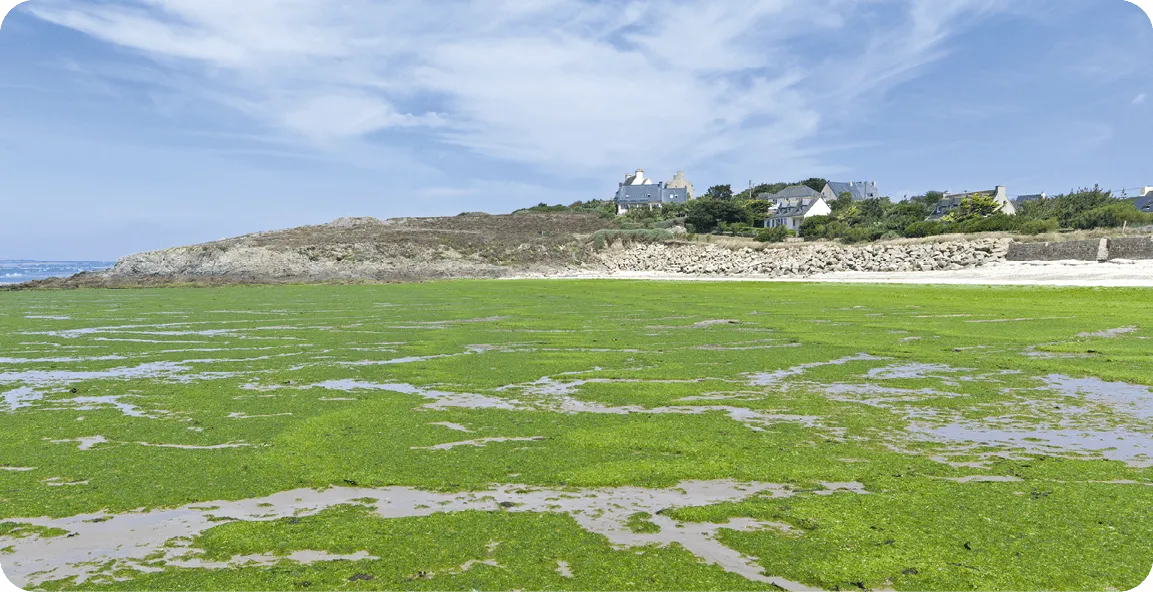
(802, 260)
(359, 250)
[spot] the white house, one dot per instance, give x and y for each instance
(793, 205)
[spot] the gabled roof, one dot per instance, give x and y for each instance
(790, 208)
(857, 189)
(793, 192)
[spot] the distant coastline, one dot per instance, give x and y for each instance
(15, 271)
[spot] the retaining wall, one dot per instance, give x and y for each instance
(1063, 251)
(1087, 250)
(1131, 248)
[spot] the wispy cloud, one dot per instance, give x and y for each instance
(1139, 99)
(563, 85)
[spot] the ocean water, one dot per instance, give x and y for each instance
(15, 272)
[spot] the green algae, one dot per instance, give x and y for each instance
(243, 358)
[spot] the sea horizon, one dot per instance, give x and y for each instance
(17, 271)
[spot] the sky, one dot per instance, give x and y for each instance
(134, 125)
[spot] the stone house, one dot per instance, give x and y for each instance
(638, 191)
(679, 182)
(952, 201)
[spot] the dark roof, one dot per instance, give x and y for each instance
(1145, 204)
(858, 189)
(644, 194)
(795, 207)
(793, 192)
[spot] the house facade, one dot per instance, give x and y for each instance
(638, 191)
(952, 201)
(792, 213)
(679, 182)
(792, 205)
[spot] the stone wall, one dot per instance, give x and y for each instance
(1063, 251)
(802, 260)
(1105, 249)
(1131, 248)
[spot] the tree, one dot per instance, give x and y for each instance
(842, 203)
(768, 188)
(816, 184)
(706, 214)
(814, 227)
(758, 210)
(720, 192)
(973, 208)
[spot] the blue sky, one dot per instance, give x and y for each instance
(142, 124)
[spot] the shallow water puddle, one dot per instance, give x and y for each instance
(1130, 398)
(90, 442)
(915, 371)
(60, 360)
(174, 371)
(479, 443)
(87, 549)
(20, 397)
(1133, 448)
(1108, 333)
(267, 559)
(452, 426)
(441, 400)
(774, 378)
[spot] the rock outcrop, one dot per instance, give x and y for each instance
(483, 246)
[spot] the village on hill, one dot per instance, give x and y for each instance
(857, 211)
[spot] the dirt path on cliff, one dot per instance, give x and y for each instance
(1031, 273)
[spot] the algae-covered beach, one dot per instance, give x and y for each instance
(577, 435)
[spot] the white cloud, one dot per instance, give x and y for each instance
(563, 85)
(1139, 99)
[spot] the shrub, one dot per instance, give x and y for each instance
(777, 234)
(923, 229)
(1111, 216)
(891, 235)
(603, 238)
(855, 235)
(1035, 227)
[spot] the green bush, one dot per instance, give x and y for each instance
(777, 234)
(1111, 216)
(603, 238)
(1035, 227)
(891, 235)
(923, 229)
